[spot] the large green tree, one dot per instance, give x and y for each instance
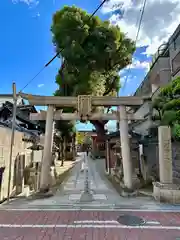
(167, 106)
(93, 53)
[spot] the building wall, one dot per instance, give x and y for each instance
(20, 152)
(165, 77)
(143, 110)
(176, 75)
(174, 50)
(160, 72)
(159, 75)
(4, 98)
(144, 88)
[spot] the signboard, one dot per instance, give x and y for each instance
(37, 156)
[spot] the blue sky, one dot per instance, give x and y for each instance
(26, 45)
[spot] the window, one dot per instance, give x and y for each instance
(176, 64)
(174, 45)
(177, 42)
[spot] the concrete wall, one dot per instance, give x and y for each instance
(20, 152)
(151, 157)
(165, 77)
(160, 73)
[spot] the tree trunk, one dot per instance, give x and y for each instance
(99, 126)
(65, 148)
(61, 152)
(64, 151)
(101, 134)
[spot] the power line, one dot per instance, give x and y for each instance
(137, 35)
(48, 63)
(32, 79)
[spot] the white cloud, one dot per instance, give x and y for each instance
(139, 65)
(115, 5)
(136, 64)
(40, 85)
(126, 79)
(36, 15)
(30, 3)
(160, 19)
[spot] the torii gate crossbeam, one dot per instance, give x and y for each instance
(73, 116)
(72, 101)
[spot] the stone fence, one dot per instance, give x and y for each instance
(151, 155)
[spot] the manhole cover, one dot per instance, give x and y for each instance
(130, 220)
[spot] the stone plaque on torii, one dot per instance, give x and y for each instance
(84, 106)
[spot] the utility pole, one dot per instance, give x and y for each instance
(12, 138)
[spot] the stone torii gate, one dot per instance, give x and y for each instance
(83, 105)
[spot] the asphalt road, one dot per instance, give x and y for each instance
(109, 216)
(88, 225)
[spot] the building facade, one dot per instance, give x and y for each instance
(165, 66)
(174, 49)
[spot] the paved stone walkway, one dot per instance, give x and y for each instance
(68, 196)
(109, 216)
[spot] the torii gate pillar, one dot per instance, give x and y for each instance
(47, 154)
(125, 147)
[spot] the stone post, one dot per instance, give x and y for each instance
(125, 147)
(107, 156)
(165, 155)
(53, 132)
(47, 154)
(142, 164)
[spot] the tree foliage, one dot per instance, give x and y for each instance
(93, 52)
(167, 105)
(67, 128)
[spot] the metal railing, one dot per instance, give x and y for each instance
(160, 53)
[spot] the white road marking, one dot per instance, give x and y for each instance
(89, 226)
(96, 221)
(100, 197)
(153, 222)
(74, 197)
(110, 209)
